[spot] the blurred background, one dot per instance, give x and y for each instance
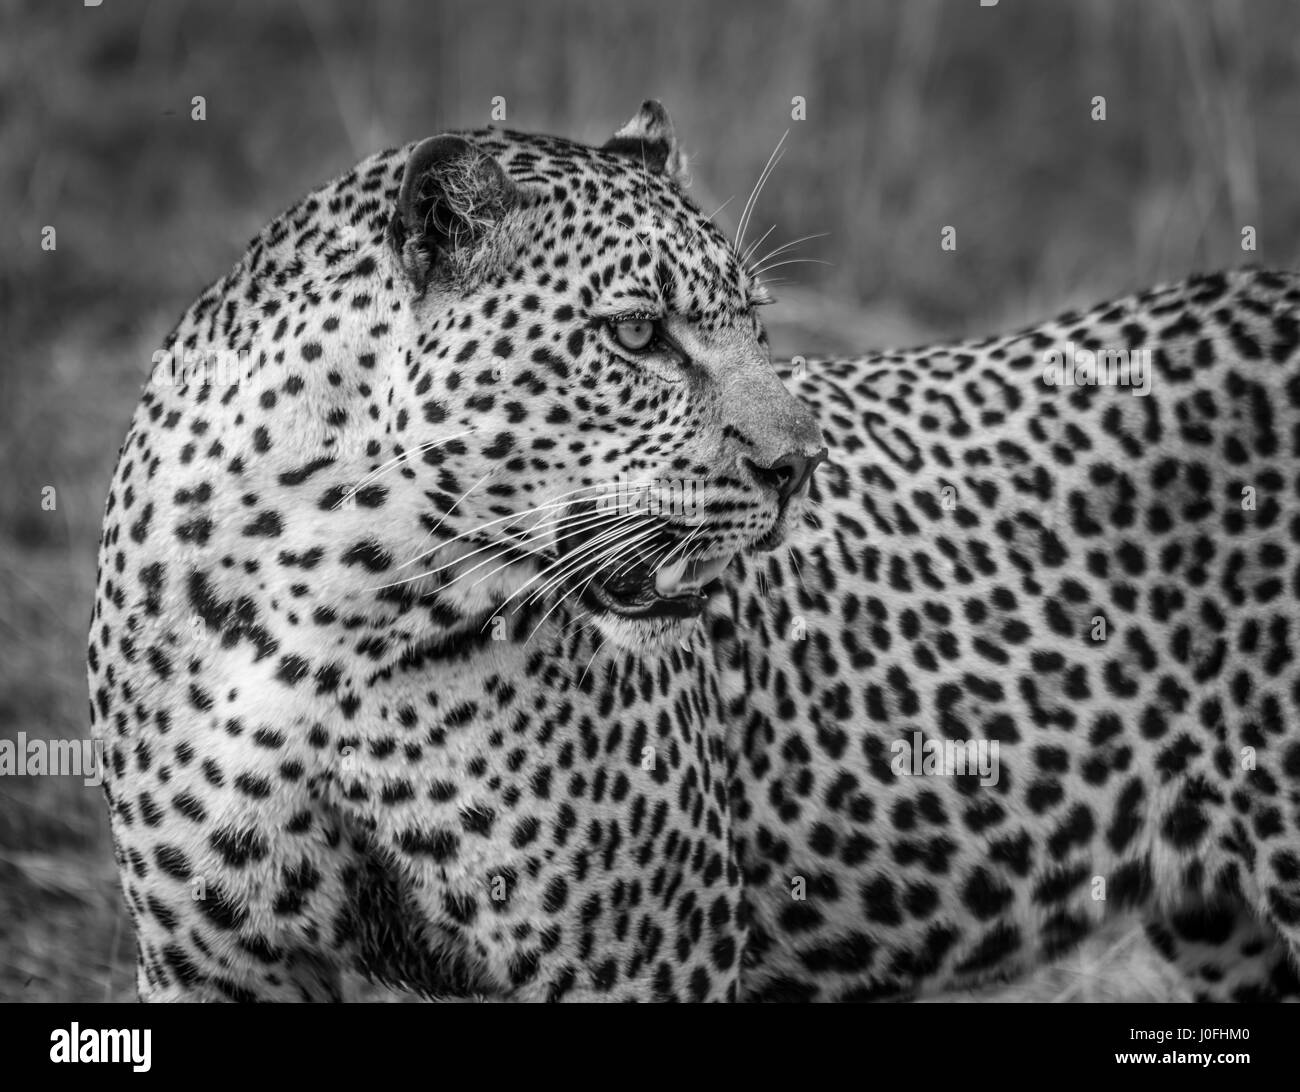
(920, 114)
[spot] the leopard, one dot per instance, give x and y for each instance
(511, 627)
(397, 654)
(1027, 663)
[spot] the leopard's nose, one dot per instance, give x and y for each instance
(787, 474)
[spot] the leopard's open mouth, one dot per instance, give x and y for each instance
(660, 578)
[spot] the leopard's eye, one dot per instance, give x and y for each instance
(635, 334)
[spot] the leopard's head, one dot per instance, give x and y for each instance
(587, 380)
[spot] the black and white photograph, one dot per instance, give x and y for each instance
(751, 502)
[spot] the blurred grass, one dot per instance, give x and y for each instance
(920, 114)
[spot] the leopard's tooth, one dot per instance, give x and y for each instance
(704, 571)
(668, 579)
(686, 577)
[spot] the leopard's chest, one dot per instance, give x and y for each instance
(549, 812)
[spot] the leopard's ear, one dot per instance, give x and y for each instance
(453, 198)
(649, 139)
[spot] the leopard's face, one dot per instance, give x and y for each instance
(590, 383)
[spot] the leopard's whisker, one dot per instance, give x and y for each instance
(560, 565)
(589, 554)
(795, 565)
(646, 555)
(600, 644)
(777, 251)
(682, 544)
(515, 560)
(745, 215)
(601, 554)
(434, 529)
(709, 219)
(600, 532)
(790, 261)
(606, 559)
(744, 258)
(646, 549)
(495, 545)
(572, 623)
(560, 599)
(557, 501)
(592, 522)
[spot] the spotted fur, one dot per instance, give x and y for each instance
(1105, 584)
(341, 733)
